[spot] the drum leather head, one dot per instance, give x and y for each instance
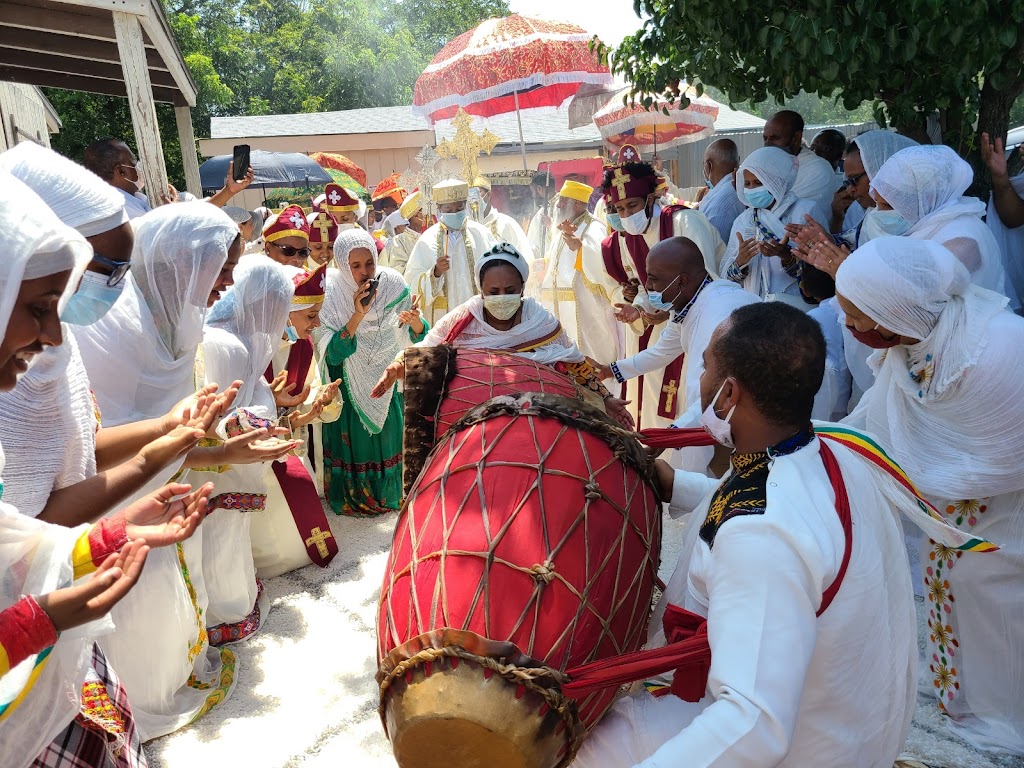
(443, 716)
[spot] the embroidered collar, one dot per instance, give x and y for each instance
(792, 444)
(679, 316)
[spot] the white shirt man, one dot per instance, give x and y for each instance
(443, 262)
(795, 561)
(676, 269)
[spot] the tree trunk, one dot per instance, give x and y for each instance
(994, 114)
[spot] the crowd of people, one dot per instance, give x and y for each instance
(189, 387)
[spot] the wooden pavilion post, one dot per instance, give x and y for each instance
(189, 158)
(132, 50)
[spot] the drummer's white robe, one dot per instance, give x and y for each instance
(398, 250)
(574, 288)
(458, 284)
(685, 223)
(785, 688)
(687, 334)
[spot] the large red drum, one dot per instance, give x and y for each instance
(528, 546)
(443, 383)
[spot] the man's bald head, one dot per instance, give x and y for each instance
(829, 144)
(676, 267)
(721, 158)
(785, 130)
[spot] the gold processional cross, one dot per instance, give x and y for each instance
(466, 145)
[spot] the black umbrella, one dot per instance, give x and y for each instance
(270, 169)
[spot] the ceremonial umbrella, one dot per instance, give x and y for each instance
(330, 160)
(299, 195)
(665, 124)
(508, 64)
(270, 169)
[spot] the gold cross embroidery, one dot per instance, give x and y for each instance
(317, 539)
(670, 389)
(620, 180)
(324, 226)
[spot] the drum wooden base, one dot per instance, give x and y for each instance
(459, 717)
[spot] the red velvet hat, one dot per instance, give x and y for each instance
(322, 227)
(291, 222)
(309, 286)
(629, 154)
(337, 199)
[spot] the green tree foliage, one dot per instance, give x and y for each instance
(910, 58)
(256, 57)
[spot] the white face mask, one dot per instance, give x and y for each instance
(503, 307)
(715, 426)
(638, 223)
(346, 226)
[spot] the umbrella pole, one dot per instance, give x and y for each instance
(519, 119)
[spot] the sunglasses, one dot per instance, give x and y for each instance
(118, 269)
(851, 181)
(290, 252)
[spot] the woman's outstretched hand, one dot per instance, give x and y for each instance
(392, 373)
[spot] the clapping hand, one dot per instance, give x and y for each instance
(748, 250)
(805, 236)
(616, 408)
(656, 317)
(412, 315)
(285, 398)
(626, 313)
(392, 373)
(323, 399)
(631, 289)
(826, 256)
(93, 598)
(167, 516)
(776, 248)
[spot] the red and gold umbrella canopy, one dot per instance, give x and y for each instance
(653, 129)
(341, 163)
(487, 70)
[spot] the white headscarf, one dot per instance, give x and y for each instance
(79, 197)
(244, 330)
(48, 421)
(925, 185)
(776, 169)
(507, 254)
(876, 147)
(35, 557)
(950, 407)
(535, 323)
(141, 354)
(379, 336)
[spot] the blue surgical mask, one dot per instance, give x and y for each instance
(758, 197)
(454, 220)
(92, 300)
(882, 223)
(614, 221)
(657, 302)
(291, 334)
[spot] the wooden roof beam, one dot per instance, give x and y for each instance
(77, 82)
